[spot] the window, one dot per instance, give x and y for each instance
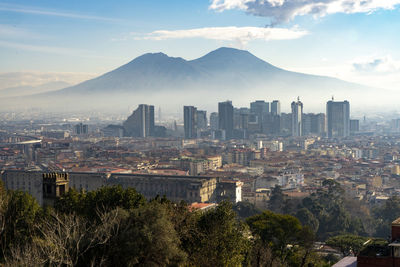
(62, 189)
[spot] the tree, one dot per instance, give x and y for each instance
(385, 214)
(21, 212)
(347, 244)
(276, 200)
(3, 209)
(103, 199)
(307, 219)
(219, 239)
(68, 240)
(111, 197)
(277, 231)
(147, 238)
(71, 202)
(246, 209)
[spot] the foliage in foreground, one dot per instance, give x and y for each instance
(118, 227)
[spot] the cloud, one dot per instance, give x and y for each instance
(382, 65)
(281, 11)
(236, 34)
(52, 50)
(33, 78)
(45, 12)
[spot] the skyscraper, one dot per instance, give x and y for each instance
(354, 126)
(276, 107)
(190, 122)
(338, 118)
(259, 108)
(225, 115)
(313, 124)
(214, 121)
(297, 114)
(202, 119)
(141, 122)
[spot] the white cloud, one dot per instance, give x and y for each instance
(236, 34)
(32, 78)
(45, 12)
(285, 10)
(52, 50)
(375, 71)
(383, 65)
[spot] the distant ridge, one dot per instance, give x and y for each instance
(221, 74)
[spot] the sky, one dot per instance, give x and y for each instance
(44, 41)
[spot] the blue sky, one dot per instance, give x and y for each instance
(355, 40)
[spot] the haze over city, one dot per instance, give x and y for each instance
(68, 43)
(200, 133)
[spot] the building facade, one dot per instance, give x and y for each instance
(202, 120)
(225, 118)
(141, 122)
(190, 122)
(297, 117)
(338, 119)
(46, 187)
(276, 107)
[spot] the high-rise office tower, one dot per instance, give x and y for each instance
(338, 118)
(313, 124)
(354, 126)
(81, 129)
(259, 107)
(286, 124)
(141, 122)
(214, 121)
(297, 114)
(190, 122)
(276, 107)
(271, 124)
(225, 116)
(202, 119)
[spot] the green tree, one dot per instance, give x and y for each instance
(307, 219)
(276, 231)
(103, 199)
(146, 238)
(277, 200)
(71, 202)
(246, 209)
(21, 213)
(385, 214)
(219, 239)
(347, 244)
(111, 197)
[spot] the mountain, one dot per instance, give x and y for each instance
(225, 73)
(31, 90)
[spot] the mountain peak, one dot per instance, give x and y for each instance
(232, 59)
(223, 52)
(225, 49)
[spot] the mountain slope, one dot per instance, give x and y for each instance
(225, 73)
(30, 90)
